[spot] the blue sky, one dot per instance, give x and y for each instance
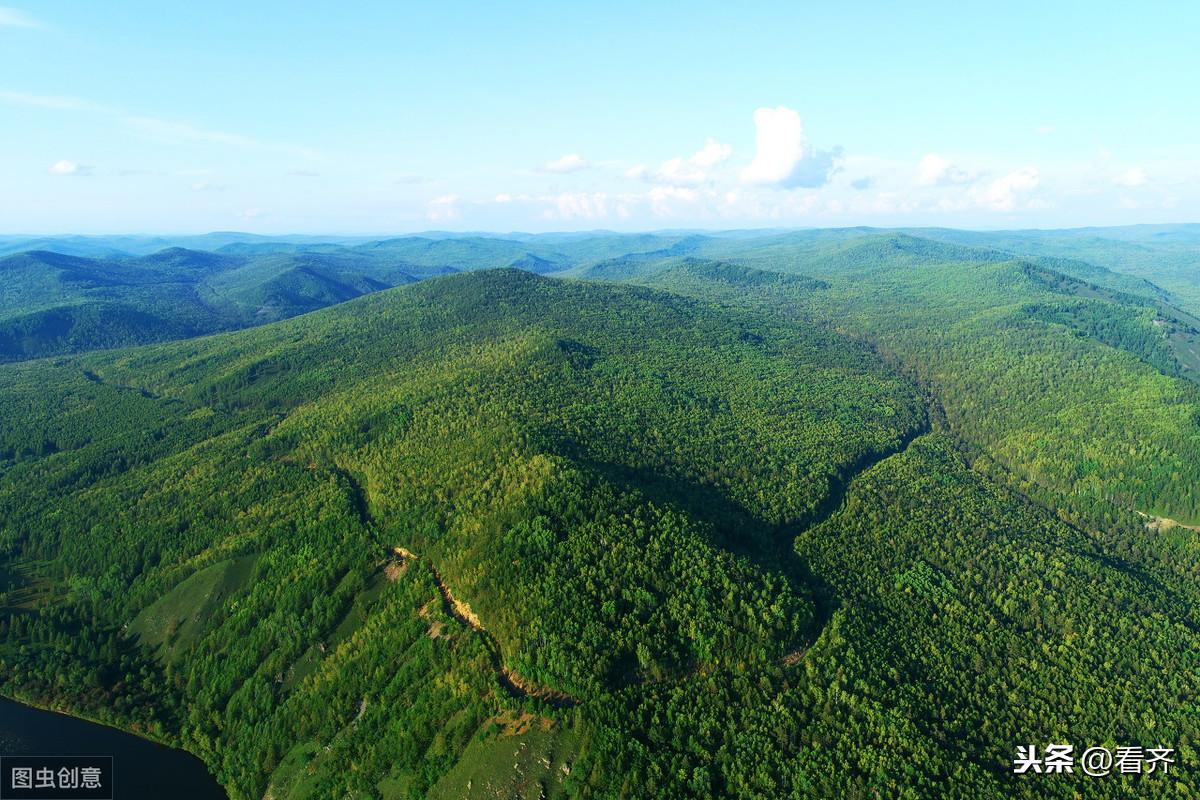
(376, 118)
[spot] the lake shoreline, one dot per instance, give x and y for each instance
(40, 730)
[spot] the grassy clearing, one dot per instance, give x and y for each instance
(181, 616)
(517, 755)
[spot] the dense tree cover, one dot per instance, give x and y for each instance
(703, 538)
(1087, 423)
(52, 303)
(967, 621)
(1137, 331)
(605, 475)
(1161, 257)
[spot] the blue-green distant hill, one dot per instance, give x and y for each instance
(74, 293)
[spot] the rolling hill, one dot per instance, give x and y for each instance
(811, 514)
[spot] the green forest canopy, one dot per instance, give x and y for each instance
(845, 515)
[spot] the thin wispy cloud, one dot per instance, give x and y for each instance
(443, 208)
(1131, 178)
(52, 102)
(15, 18)
(166, 130)
(1004, 193)
(172, 131)
(176, 132)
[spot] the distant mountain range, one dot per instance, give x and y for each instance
(69, 293)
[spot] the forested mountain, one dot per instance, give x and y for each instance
(788, 514)
(53, 303)
(67, 294)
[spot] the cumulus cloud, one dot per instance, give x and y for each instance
(502, 198)
(936, 170)
(676, 171)
(684, 171)
(1131, 178)
(711, 154)
(663, 199)
(571, 162)
(577, 205)
(443, 208)
(1004, 193)
(65, 167)
(783, 157)
(861, 184)
(660, 201)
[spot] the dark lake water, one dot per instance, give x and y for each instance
(144, 770)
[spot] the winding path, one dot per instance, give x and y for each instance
(513, 683)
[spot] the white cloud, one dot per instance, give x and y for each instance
(181, 131)
(783, 157)
(15, 18)
(578, 205)
(1044, 130)
(53, 102)
(154, 127)
(502, 198)
(680, 171)
(571, 162)
(936, 170)
(711, 154)
(661, 198)
(65, 167)
(443, 208)
(676, 171)
(176, 132)
(1004, 193)
(1131, 178)
(208, 186)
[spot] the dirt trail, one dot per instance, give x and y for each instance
(1164, 523)
(793, 658)
(513, 683)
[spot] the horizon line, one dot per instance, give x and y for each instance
(444, 233)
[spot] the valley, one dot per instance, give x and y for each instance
(815, 513)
